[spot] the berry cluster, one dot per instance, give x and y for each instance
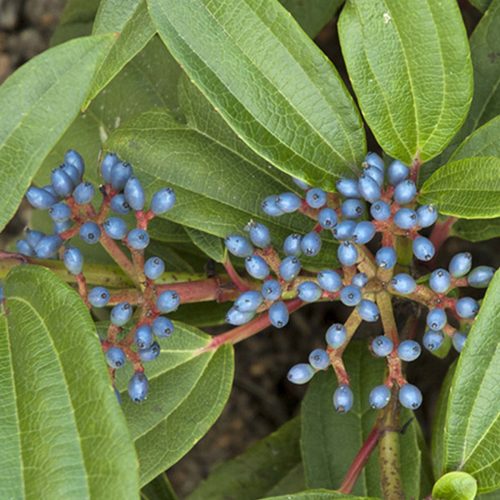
(69, 201)
(380, 202)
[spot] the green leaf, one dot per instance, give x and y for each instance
(467, 188)
(250, 58)
(158, 489)
(481, 5)
(409, 64)
(202, 314)
(62, 434)
(482, 142)
(187, 392)
(76, 20)
(207, 243)
(39, 102)
(318, 495)
(476, 230)
(330, 441)
(455, 486)
(471, 432)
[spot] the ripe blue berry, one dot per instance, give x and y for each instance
(48, 246)
(73, 158)
(460, 264)
(374, 160)
(120, 174)
(138, 239)
(60, 227)
(288, 202)
(99, 296)
(73, 260)
(83, 193)
(440, 280)
(289, 268)
(379, 397)
(24, 248)
(61, 182)
(115, 228)
(410, 396)
(458, 339)
(40, 198)
(327, 218)
(409, 350)
(467, 307)
(336, 335)
(360, 279)
(308, 291)
(329, 280)
(143, 336)
(344, 230)
(50, 189)
(386, 257)
(350, 295)
(60, 212)
(423, 248)
(426, 215)
(368, 188)
(270, 206)
(162, 327)
(238, 245)
(405, 192)
(154, 267)
(363, 232)
(397, 172)
(319, 359)
(382, 346)
(90, 233)
(248, 301)
(343, 399)
(72, 173)
(315, 198)
(405, 218)
(432, 340)
(33, 237)
(168, 301)
(121, 313)
(480, 276)
(271, 290)
(380, 210)
(347, 253)
(115, 357)
(348, 188)
(278, 314)
(302, 185)
(291, 245)
(119, 204)
(259, 234)
(163, 201)
(436, 319)
(257, 267)
(150, 353)
(352, 208)
(368, 310)
(300, 373)
(138, 387)
(403, 283)
(311, 244)
(107, 164)
(134, 193)
(376, 174)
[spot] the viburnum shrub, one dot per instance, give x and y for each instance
(193, 164)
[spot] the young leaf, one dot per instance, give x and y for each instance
(481, 5)
(409, 64)
(207, 243)
(39, 102)
(455, 486)
(63, 434)
(251, 60)
(76, 20)
(476, 230)
(319, 495)
(468, 188)
(471, 433)
(158, 489)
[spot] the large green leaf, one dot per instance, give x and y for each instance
(330, 441)
(409, 64)
(481, 5)
(269, 82)
(207, 243)
(62, 433)
(158, 489)
(467, 188)
(482, 142)
(319, 495)
(471, 433)
(476, 230)
(76, 20)
(187, 393)
(39, 102)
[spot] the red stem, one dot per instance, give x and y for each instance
(441, 232)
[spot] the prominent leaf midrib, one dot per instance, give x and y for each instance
(487, 466)
(471, 453)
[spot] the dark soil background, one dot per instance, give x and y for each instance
(261, 399)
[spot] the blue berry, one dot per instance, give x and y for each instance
(138, 387)
(300, 373)
(154, 267)
(432, 340)
(374, 160)
(409, 350)
(60, 227)
(278, 314)
(288, 202)
(73, 158)
(143, 336)
(73, 260)
(291, 245)
(405, 192)
(50, 189)
(162, 327)
(410, 396)
(397, 172)
(480, 276)
(90, 233)
(61, 182)
(352, 208)
(150, 353)
(327, 218)
(24, 248)
(270, 206)
(138, 239)
(380, 210)
(40, 198)
(271, 290)
(440, 280)
(168, 301)
(289, 268)
(60, 212)
(33, 237)
(386, 257)
(315, 198)
(382, 346)
(107, 164)
(350, 295)
(368, 310)
(458, 339)
(134, 193)
(379, 397)
(119, 204)
(467, 307)
(436, 319)
(72, 173)
(121, 313)
(83, 193)
(426, 215)
(344, 230)
(403, 283)
(115, 357)
(376, 174)
(360, 279)
(115, 228)
(302, 185)
(257, 267)
(248, 301)
(336, 335)
(363, 232)
(99, 296)
(319, 359)
(120, 174)
(238, 245)
(163, 201)
(259, 234)
(343, 399)
(48, 246)
(405, 218)
(311, 244)
(348, 188)
(368, 188)
(308, 291)
(329, 280)
(347, 253)
(460, 264)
